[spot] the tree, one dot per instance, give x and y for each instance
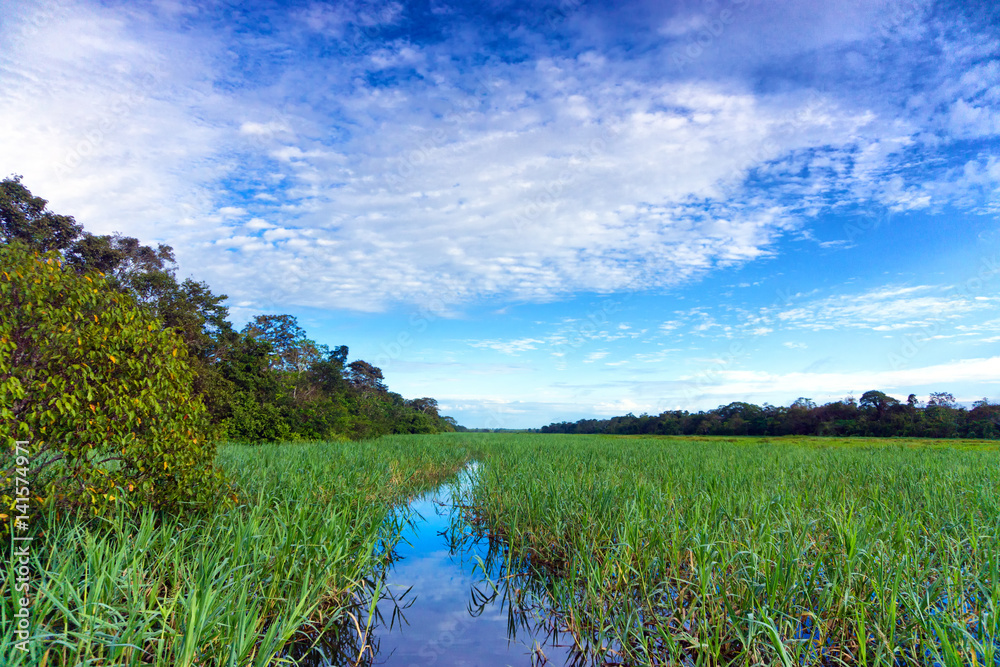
(269, 383)
(101, 390)
(251, 412)
(365, 378)
(428, 406)
(189, 308)
(292, 350)
(328, 374)
(128, 264)
(338, 355)
(877, 402)
(25, 217)
(941, 399)
(146, 273)
(281, 332)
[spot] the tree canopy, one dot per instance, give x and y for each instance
(102, 392)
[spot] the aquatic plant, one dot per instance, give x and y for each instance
(306, 537)
(748, 551)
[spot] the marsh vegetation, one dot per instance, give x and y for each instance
(700, 551)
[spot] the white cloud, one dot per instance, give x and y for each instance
(839, 243)
(759, 383)
(885, 308)
(263, 130)
(508, 346)
(111, 127)
(525, 180)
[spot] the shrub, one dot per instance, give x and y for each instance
(99, 388)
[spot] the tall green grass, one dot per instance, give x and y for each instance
(251, 585)
(693, 551)
(709, 552)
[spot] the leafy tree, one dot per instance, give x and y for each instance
(328, 373)
(128, 265)
(26, 218)
(270, 383)
(145, 273)
(251, 413)
(338, 355)
(941, 399)
(365, 378)
(878, 402)
(149, 275)
(189, 308)
(426, 405)
(101, 390)
(284, 335)
(804, 403)
(877, 415)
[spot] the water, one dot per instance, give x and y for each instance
(453, 611)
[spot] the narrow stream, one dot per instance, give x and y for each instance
(452, 612)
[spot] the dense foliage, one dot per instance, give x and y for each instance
(875, 415)
(267, 382)
(98, 388)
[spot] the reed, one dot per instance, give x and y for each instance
(651, 551)
(748, 551)
(305, 540)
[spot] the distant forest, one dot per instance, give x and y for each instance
(266, 382)
(876, 414)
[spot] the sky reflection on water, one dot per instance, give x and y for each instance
(455, 616)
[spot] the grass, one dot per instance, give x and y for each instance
(693, 551)
(305, 542)
(747, 551)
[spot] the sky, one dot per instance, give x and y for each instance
(546, 211)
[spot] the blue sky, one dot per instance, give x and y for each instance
(547, 211)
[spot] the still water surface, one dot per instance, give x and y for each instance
(456, 614)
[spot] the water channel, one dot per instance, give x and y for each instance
(446, 601)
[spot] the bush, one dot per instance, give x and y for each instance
(100, 389)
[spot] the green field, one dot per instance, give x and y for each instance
(651, 550)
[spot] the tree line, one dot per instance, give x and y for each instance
(265, 382)
(876, 414)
